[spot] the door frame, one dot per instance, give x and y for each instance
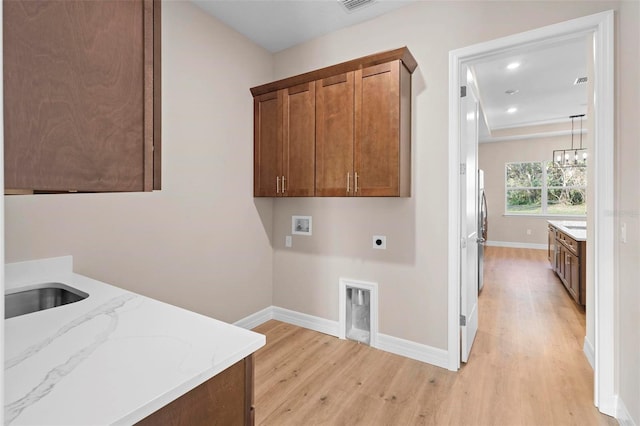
(601, 25)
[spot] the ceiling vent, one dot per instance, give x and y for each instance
(352, 5)
(580, 80)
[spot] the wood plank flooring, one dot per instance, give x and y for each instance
(526, 366)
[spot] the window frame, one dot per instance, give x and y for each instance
(544, 188)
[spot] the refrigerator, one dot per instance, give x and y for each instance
(482, 227)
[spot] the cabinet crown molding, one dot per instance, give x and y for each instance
(403, 54)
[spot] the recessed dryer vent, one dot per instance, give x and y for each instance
(358, 311)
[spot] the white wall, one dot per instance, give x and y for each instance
(202, 242)
(628, 206)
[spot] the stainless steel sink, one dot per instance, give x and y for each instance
(575, 227)
(39, 297)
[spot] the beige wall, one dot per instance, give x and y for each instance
(492, 158)
(202, 242)
(412, 273)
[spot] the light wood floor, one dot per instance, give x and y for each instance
(526, 367)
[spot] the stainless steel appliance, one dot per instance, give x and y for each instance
(482, 227)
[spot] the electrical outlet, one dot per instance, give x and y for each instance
(380, 242)
(287, 241)
(528, 231)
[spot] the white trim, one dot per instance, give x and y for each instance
(589, 352)
(601, 25)
(311, 322)
(394, 345)
(534, 123)
(622, 414)
(413, 350)
(372, 287)
(254, 320)
(517, 245)
(538, 135)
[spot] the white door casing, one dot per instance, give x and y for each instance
(469, 216)
(601, 26)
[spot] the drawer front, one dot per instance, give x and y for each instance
(568, 242)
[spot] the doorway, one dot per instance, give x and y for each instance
(601, 226)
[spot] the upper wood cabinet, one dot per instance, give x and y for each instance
(334, 136)
(382, 154)
(362, 143)
(82, 95)
(284, 139)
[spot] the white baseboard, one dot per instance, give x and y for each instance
(589, 352)
(413, 350)
(622, 414)
(256, 319)
(395, 345)
(517, 245)
(306, 321)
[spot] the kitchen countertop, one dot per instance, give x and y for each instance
(565, 226)
(112, 358)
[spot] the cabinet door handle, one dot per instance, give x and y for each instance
(284, 184)
(277, 184)
(348, 181)
(356, 182)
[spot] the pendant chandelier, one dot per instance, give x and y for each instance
(574, 157)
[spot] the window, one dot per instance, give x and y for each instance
(539, 188)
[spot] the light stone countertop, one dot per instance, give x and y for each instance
(569, 228)
(112, 358)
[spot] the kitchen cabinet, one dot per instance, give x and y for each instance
(362, 139)
(81, 95)
(551, 250)
(225, 399)
(568, 259)
(284, 142)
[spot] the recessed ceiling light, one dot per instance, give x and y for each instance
(511, 91)
(513, 65)
(512, 110)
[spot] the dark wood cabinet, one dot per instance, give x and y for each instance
(382, 130)
(362, 139)
(568, 259)
(284, 142)
(298, 136)
(334, 135)
(82, 95)
(267, 147)
(225, 399)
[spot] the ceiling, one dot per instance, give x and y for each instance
(543, 84)
(277, 25)
(544, 79)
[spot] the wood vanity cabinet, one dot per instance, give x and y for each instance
(362, 140)
(284, 140)
(225, 399)
(81, 95)
(568, 258)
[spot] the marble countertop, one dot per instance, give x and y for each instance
(110, 359)
(576, 229)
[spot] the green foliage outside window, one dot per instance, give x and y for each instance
(540, 188)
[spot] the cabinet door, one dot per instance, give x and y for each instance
(299, 126)
(79, 95)
(377, 130)
(551, 249)
(574, 277)
(267, 144)
(334, 136)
